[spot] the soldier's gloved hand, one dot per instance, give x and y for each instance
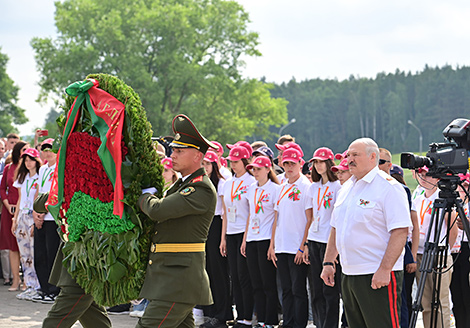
(151, 190)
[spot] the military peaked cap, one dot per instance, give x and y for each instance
(187, 135)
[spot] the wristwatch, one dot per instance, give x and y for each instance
(328, 263)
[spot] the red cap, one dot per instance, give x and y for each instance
(290, 145)
(31, 152)
(237, 153)
(223, 161)
(48, 141)
(291, 155)
(220, 148)
(211, 156)
(243, 144)
(343, 166)
(167, 163)
(423, 169)
(260, 161)
(342, 156)
(322, 154)
(464, 177)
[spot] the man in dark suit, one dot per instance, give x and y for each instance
(176, 279)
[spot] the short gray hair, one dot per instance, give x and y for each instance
(371, 147)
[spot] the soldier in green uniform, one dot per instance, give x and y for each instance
(176, 279)
(72, 304)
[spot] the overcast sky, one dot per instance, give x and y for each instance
(304, 39)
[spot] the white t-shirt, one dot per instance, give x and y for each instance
(236, 203)
(282, 178)
(261, 201)
(323, 197)
(417, 192)
(461, 236)
(225, 172)
(28, 190)
(219, 209)
(292, 202)
(365, 213)
(45, 182)
(423, 206)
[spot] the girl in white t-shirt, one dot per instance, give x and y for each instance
(26, 181)
(290, 228)
(46, 238)
(234, 222)
(322, 193)
(281, 147)
(460, 286)
(262, 196)
(423, 205)
(216, 264)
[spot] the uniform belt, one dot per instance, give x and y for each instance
(178, 248)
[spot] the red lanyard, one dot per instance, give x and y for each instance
(258, 203)
(284, 193)
(234, 195)
(319, 201)
(421, 213)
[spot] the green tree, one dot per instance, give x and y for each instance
(51, 124)
(180, 56)
(10, 112)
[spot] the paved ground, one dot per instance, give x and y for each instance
(25, 314)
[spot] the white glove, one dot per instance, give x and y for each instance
(151, 190)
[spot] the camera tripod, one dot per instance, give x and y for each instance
(435, 251)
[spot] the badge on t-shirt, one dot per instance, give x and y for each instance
(255, 225)
(231, 213)
(365, 203)
(315, 223)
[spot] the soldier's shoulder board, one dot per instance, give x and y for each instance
(197, 179)
(186, 191)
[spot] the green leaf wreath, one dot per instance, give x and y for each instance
(105, 253)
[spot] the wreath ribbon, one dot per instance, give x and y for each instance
(107, 115)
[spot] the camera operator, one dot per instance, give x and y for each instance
(422, 205)
(460, 287)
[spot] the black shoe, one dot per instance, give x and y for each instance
(120, 309)
(44, 298)
(241, 325)
(214, 323)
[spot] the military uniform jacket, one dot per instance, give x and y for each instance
(183, 216)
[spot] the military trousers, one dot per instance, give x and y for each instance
(370, 308)
(164, 314)
(72, 305)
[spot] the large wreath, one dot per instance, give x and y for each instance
(105, 158)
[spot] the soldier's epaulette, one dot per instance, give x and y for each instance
(391, 180)
(197, 179)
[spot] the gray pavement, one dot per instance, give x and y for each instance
(25, 314)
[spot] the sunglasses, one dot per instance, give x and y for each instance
(383, 161)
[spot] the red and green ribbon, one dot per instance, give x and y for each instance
(107, 115)
(294, 195)
(327, 201)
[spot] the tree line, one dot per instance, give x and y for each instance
(332, 113)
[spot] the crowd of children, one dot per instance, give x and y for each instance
(267, 240)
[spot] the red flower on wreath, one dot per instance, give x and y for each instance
(84, 172)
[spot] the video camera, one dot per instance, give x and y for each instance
(444, 159)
